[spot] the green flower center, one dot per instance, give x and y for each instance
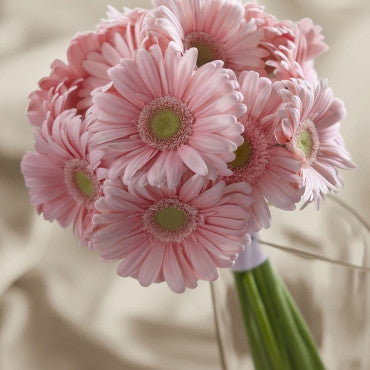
(165, 124)
(81, 182)
(304, 142)
(205, 54)
(84, 184)
(209, 48)
(242, 155)
(170, 218)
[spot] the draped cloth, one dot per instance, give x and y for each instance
(61, 308)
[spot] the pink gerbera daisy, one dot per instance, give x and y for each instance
(57, 93)
(178, 235)
(89, 55)
(308, 40)
(292, 47)
(296, 60)
(48, 103)
(270, 169)
(129, 17)
(112, 42)
(63, 177)
(163, 116)
(309, 127)
(309, 44)
(278, 35)
(215, 27)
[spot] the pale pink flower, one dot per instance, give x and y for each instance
(57, 93)
(292, 47)
(119, 19)
(270, 169)
(284, 66)
(308, 40)
(252, 10)
(309, 44)
(298, 61)
(162, 116)
(309, 127)
(63, 177)
(89, 56)
(217, 28)
(177, 236)
(278, 35)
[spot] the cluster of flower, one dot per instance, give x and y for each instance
(169, 131)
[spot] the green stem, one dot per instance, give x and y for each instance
(257, 348)
(262, 320)
(273, 315)
(299, 354)
(303, 329)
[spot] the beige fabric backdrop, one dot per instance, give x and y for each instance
(60, 307)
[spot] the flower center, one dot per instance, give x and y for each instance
(307, 141)
(170, 220)
(242, 155)
(209, 48)
(84, 184)
(165, 123)
(251, 158)
(80, 181)
(304, 142)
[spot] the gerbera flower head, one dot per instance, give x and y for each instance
(309, 40)
(278, 35)
(128, 17)
(89, 56)
(56, 93)
(292, 47)
(271, 170)
(178, 236)
(215, 27)
(63, 177)
(309, 44)
(283, 66)
(295, 59)
(48, 103)
(163, 117)
(309, 127)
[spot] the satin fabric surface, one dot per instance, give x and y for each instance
(61, 308)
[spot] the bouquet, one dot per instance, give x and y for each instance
(168, 134)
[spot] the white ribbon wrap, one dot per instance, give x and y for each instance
(251, 257)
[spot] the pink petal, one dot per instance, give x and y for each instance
(191, 188)
(202, 262)
(210, 197)
(131, 263)
(174, 169)
(172, 271)
(193, 160)
(152, 264)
